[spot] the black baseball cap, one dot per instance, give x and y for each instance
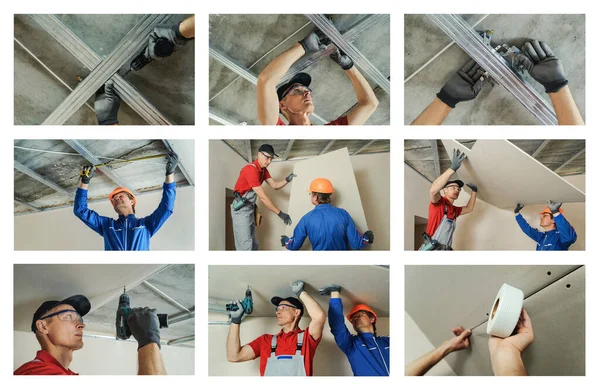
(79, 302)
(267, 149)
(294, 301)
(298, 78)
(459, 182)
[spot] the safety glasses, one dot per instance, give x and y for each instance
(457, 188)
(65, 315)
(267, 156)
(356, 316)
(283, 306)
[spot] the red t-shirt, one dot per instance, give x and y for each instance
(341, 121)
(436, 214)
(43, 364)
(252, 175)
(286, 345)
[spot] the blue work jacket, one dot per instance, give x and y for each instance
(328, 228)
(559, 239)
(368, 355)
(126, 234)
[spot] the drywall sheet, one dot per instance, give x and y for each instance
(337, 168)
(505, 175)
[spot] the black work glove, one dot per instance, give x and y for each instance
(172, 161)
(86, 174)
(369, 236)
(163, 40)
(327, 290)
(518, 207)
(554, 206)
(541, 63)
(236, 316)
(107, 104)
(457, 159)
(285, 217)
(314, 42)
(342, 59)
(290, 177)
(144, 326)
(473, 187)
(464, 85)
(284, 240)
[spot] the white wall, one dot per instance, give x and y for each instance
(329, 359)
(62, 230)
(106, 356)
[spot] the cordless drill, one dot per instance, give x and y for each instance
(246, 303)
(123, 331)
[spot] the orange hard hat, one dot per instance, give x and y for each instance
(121, 189)
(547, 211)
(322, 186)
(361, 307)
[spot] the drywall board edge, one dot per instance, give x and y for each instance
(505, 175)
(337, 167)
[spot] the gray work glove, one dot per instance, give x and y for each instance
(457, 159)
(236, 316)
(86, 174)
(290, 177)
(473, 187)
(144, 326)
(297, 287)
(314, 42)
(464, 85)
(163, 40)
(541, 63)
(369, 236)
(519, 207)
(554, 206)
(285, 217)
(327, 290)
(342, 59)
(172, 161)
(284, 240)
(107, 104)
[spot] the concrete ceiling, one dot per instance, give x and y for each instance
(255, 40)
(56, 162)
(495, 105)
(168, 84)
(553, 154)
(103, 284)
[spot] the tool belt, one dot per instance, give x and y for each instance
(429, 244)
(239, 201)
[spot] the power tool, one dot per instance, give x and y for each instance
(123, 331)
(163, 48)
(246, 303)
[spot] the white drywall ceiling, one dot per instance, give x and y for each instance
(505, 175)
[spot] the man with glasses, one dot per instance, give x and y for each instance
(368, 354)
(290, 352)
(58, 327)
(247, 190)
(558, 234)
(442, 215)
(294, 98)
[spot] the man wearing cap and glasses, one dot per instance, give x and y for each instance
(289, 352)
(294, 98)
(127, 233)
(558, 233)
(58, 327)
(442, 215)
(247, 190)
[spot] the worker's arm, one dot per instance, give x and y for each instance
(265, 199)
(505, 354)
(107, 104)
(340, 332)
(567, 112)
(471, 204)
(567, 234)
(165, 208)
(276, 185)
(145, 328)
(297, 240)
(534, 234)
(426, 362)
(235, 352)
(434, 114)
(456, 161)
(314, 310)
(150, 361)
(367, 101)
(187, 28)
(80, 206)
(355, 239)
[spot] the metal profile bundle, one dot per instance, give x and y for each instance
(472, 43)
(129, 46)
(323, 24)
(23, 169)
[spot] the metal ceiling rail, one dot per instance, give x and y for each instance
(126, 49)
(181, 165)
(472, 43)
(570, 160)
(28, 205)
(323, 24)
(181, 340)
(287, 150)
(182, 317)
(249, 150)
(540, 148)
(436, 157)
(212, 114)
(326, 148)
(366, 145)
(165, 296)
(23, 169)
(79, 148)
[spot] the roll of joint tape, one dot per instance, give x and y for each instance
(505, 312)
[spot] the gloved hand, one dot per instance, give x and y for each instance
(473, 187)
(369, 236)
(86, 174)
(464, 85)
(144, 326)
(314, 42)
(541, 63)
(164, 40)
(284, 240)
(297, 287)
(172, 161)
(327, 290)
(519, 207)
(236, 316)
(457, 159)
(342, 59)
(290, 177)
(285, 217)
(107, 104)
(554, 206)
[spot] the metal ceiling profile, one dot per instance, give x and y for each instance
(23, 169)
(472, 43)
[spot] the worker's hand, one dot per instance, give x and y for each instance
(290, 177)
(172, 161)
(163, 40)
(472, 186)
(503, 352)
(342, 59)
(285, 217)
(460, 340)
(284, 240)
(327, 290)
(554, 206)
(457, 159)
(541, 63)
(369, 236)
(297, 287)
(87, 173)
(464, 85)
(314, 42)
(144, 326)
(107, 104)
(519, 207)
(236, 316)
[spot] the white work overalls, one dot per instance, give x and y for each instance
(445, 231)
(244, 224)
(286, 365)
